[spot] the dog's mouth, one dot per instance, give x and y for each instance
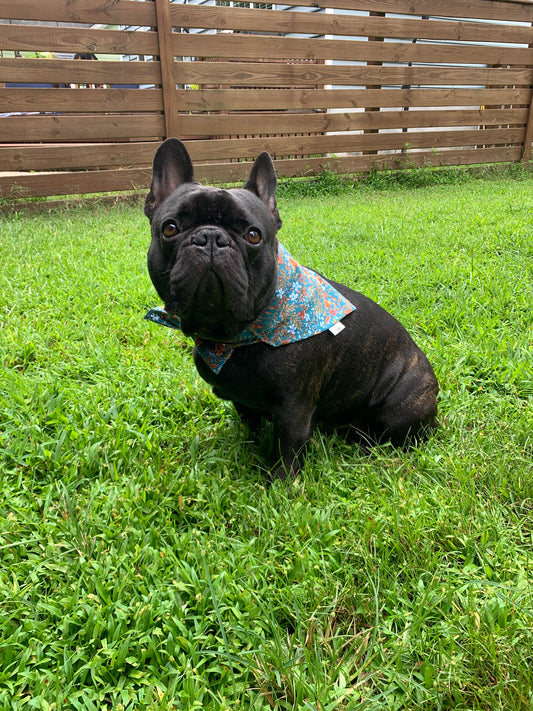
(215, 306)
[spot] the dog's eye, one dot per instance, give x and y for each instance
(253, 236)
(169, 229)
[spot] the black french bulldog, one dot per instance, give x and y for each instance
(213, 260)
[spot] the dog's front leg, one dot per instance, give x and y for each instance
(292, 429)
(250, 418)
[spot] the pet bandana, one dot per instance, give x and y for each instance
(303, 305)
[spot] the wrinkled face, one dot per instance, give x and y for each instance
(213, 258)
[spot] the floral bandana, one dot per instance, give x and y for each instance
(303, 305)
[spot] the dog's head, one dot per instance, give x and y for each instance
(213, 255)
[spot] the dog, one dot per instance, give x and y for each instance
(278, 340)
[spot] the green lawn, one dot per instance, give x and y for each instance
(143, 562)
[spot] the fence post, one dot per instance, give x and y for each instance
(528, 136)
(166, 59)
(374, 86)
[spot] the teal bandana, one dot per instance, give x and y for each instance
(303, 305)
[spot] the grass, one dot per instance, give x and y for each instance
(143, 562)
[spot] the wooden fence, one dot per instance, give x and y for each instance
(349, 84)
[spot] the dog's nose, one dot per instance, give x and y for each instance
(212, 235)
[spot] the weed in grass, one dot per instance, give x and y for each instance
(325, 183)
(143, 562)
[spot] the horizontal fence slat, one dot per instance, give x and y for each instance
(71, 39)
(58, 71)
(143, 13)
(277, 123)
(244, 147)
(288, 22)
(71, 71)
(270, 74)
(506, 10)
(80, 128)
(77, 156)
(73, 183)
(106, 12)
(267, 47)
(74, 100)
(313, 99)
(473, 9)
(361, 164)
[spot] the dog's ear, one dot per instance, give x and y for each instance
(172, 167)
(262, 181)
